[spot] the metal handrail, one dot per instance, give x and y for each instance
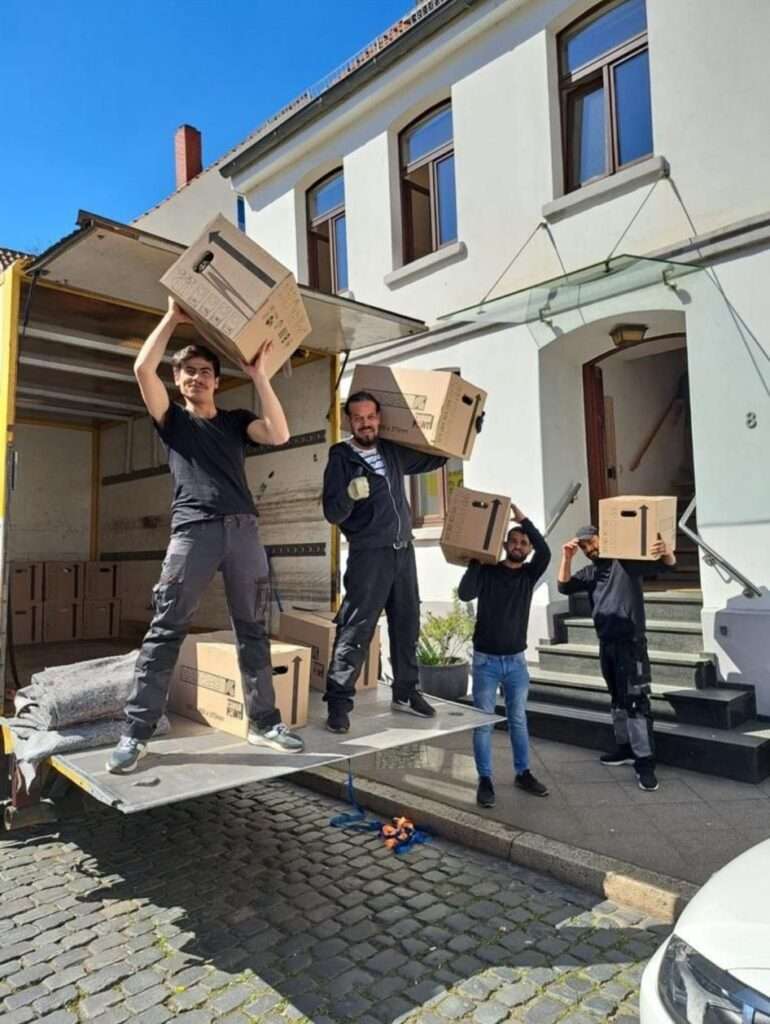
(566, 501)
(713, 558)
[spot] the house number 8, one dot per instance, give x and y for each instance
(751, 420)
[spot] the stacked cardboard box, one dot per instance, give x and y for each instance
(101, 605)
(316, 630)
(57, 601)
(207, 687)
(26, 595)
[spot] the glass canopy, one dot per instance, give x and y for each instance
(579, 288)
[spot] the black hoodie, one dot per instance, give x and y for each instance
(383, 519)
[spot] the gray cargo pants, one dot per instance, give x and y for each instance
(195, 552)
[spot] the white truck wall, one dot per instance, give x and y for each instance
(50, 509)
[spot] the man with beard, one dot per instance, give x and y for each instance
(614, 588)
(213, 526)
(504, 593)
(364, 495)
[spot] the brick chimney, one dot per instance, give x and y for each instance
(187, 153)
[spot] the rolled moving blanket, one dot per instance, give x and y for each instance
(66, 695)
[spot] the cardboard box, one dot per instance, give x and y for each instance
(101, 619)
(475, 527)
(101, 580)
(629, 525)
(317, 630)
(26, 584)
(27, 624)
(207, 687)
(434, 411)
(62, 620)
(238, 296)
(63, 582)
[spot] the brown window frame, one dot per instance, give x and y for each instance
(433, 158)
(313, 236)
(573, 84)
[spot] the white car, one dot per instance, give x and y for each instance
(715, 967)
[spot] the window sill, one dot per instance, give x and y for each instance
(630, 178)
(426, 533)
(441, 257)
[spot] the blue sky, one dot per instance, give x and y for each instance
(92, 92)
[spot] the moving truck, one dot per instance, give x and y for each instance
(82, 473)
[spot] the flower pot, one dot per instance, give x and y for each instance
(447, 681)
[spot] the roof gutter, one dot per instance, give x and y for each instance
(340, 91)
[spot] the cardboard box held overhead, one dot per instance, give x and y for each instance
(317, 630)
(434, 411)
(207, 687)
(475, 526)
(238, 296)
(629, 525)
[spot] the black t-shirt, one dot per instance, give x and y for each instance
(206, 459)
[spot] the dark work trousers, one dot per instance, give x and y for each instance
(626, 670)
(376, 579)
(195, 553)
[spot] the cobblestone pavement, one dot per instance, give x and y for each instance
(248, 907)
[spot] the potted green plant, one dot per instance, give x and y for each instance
(442, 651)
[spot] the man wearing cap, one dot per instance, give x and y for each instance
(614, 588)
(364, 495)
(504, 591)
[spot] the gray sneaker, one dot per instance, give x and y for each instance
(125, 757)
(277, 737)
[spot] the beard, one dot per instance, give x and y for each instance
(367, 439)
(514, 556)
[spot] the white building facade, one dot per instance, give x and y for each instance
(494, 145)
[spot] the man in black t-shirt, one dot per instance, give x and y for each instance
(504, 593)
(213, 527)
(614, 588)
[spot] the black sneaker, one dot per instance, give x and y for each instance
(647, 779)
(485, 794)
(527, 781)
(415, 704)
(621, 755)
(338, 721)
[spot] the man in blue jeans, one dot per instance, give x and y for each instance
(504, 593)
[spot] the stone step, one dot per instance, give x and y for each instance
(666, 666)
(684, 637)
(717, 708)
(742, 754)
(668, 605)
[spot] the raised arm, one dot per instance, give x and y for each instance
(413, 463)
(567, 583)
(541, 552)
(271, 427)
(152, 388)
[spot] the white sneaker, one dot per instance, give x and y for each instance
(277, 737)
(125, 757)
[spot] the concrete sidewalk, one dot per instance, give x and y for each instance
(687, 829)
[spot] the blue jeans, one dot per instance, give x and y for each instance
(490, 672)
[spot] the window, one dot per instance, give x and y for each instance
(428, 183)
(327, 234)
(240, 213)
(430, 492)
(605, 92)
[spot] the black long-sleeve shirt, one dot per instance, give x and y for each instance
(504, 598)
(614, 588)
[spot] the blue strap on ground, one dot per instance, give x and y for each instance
(355, 820)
